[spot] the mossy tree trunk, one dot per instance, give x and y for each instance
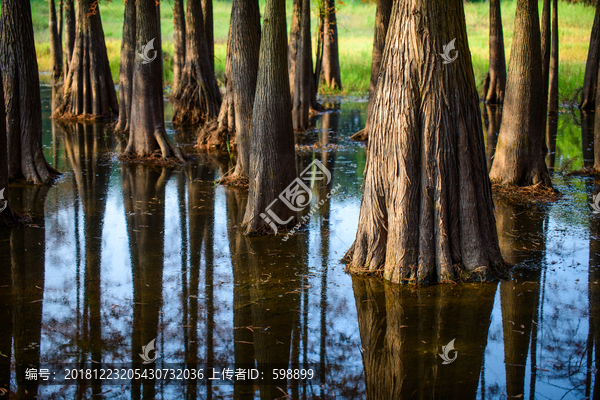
(427, 209)
(495, 81)
(590, 78)
(126, 65)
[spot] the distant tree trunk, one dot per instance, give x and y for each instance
(126, 65)
(89, 91)
(69, 34)
(331, 56)
(146, 123)
(55, 44)
(7, 216)
(60, 22)
(427, 210)
(382, 21)
(294, 41)
(588, 95)
(553, 91)
(546, 37)
(302, 87)
(272, 140)
(20, 78)
(197, 98)
(493, 115)
(495, 81)
(519, 158)
(178, 42)
(207, 14)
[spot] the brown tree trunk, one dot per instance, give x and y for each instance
(382, 21)
(60, 22)
(546, 37)
(128, 46)
(197, 98)
(55, 44)
(588, 95)
(427, 209)
(69, 34)
(178, 42)
(302, 87)
(147, 122)
(294, 41)
(493, 115)
(22, 100)
(495, 81)
(519, 158)
(553, 91)
(331, 56)
(89, 91)
(597, 131)
(7, 216)
(272, 139)
(207, 14)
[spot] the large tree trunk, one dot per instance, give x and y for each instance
(272, 140)
(294, 41)
(331, 56)
(382, 21)
(178, 42)
(588, 95)
(207, 14)
(126, 66)
(495, 81)
(22, 100)
(302, 87)
(55, 44)
(69, 34)
(519, 158)
(197, 98)
(427, 209)
(89, 91)
(147, 122)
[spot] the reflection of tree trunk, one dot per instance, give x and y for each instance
(587, 138)
(6, 313)
(594, 303)
(551, 130)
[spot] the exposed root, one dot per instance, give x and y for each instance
(587, 171)
(214, 137)
(68, 117)
(361, 135)
(156, 158)
(234, 180)
(318, 146)
(538, 193)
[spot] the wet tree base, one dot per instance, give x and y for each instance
(155, 158)
(213, 137)
(533, 194)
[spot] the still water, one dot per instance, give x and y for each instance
(120, 254)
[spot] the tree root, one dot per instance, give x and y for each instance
(361, 135)
(214, 137)
(538, 193)
(234, 180)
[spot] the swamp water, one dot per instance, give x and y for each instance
(119, 255)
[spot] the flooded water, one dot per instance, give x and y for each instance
(126, 263)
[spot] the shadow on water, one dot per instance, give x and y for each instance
(121, 256)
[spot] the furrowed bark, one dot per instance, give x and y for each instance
(302, 88)
(55, 43)
(178, 42)
(69, 34)
(331, 57)
(294, 41)
(495, 82)
(590, 78)
(207, 14)
(128, 55)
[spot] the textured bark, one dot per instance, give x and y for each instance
(520, 153)
(197, 98)
(294, 40)
(495, 81)
(147, 122)
(272, 140)
(88, 92)
(22, 100)
(590, 78)
(302, 84)
(207, 14)
(7, 216)
(546, 37)
(178, 42)
(69, 34)
(553, 90)
(331, 57)
(128, 46)
(55, 44)
(427, 210)
(382, 21)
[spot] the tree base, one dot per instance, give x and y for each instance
(214, 136)
(234, 180)
(539, 193)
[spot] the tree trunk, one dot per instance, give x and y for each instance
(126, 66)
(495, 81)
(546, 36)
(178, 42)
(60, 22)
(427, 209)
(272, 140)
(147, 127)
(294, 40)
(493, 116)
(7, 216)
(331, 56)
(197, 98)
(597, 131)
(207, 14)
(55, 44)
(22, 100)
(553, 91)
(89, 91)
(382, 21)
(588, 95)
(519, 158)
(69, 34)
(302, 88)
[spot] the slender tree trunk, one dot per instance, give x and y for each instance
(597, 131)
(495, 82)
(519, 158)
(60, 22)
(207, 14)
(294, 41)
(493, 115)
(22, 100)
(546, 37)
(128, 55)
(590, 78)
(272, 140)
(553, 91)
(302, 86)
(89, 91)
(7, 216)
(55, 43)
(197, 98)
(382, 21)
(146, 123)
(319, 53)
(427, 210)
(69, 34)
(178, 42)
(331, 57)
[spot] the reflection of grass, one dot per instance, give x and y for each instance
(568, 144)
(355, 27)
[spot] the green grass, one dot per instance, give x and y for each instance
(355, 28)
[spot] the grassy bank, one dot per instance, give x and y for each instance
(355, 27)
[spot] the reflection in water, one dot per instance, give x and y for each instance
(587, 138)
(551, 131)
